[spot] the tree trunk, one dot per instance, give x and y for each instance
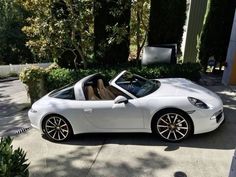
(79, 49)
(141, 47)
(138, 35)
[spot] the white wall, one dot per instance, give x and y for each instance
(7, 69)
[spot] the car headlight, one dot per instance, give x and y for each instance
(198, 103)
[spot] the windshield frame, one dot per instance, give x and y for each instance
(113, 82)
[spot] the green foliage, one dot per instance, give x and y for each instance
(55, 77)
(167, 19)
(60, 77)
(140, 11)
(31, 74)
(189, 71)
(12, 39)
(216, 31)
(12, 162)
(111, 31)
(60, 26)
(33, 77)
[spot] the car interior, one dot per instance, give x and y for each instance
(99, 89)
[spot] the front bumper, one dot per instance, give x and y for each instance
(35, 120)
(207, 120)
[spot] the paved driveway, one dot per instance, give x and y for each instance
(13, 98)
(136, 155)
(129, 155)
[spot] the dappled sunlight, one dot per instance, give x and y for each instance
(13, 108)
(139, 163)
(12, 124)
(99, 160)
(135, 154)
(13, 98)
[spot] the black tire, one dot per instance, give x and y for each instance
(57, 129)
(172, 125)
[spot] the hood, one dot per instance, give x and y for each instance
(179, 87)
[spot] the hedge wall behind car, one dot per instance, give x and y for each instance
(40, 81)
(59, 77)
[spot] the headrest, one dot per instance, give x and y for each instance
(100, 84)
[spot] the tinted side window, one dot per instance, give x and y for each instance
(67, 93)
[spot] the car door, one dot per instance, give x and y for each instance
(105, 114)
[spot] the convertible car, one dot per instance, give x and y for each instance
(172, 108)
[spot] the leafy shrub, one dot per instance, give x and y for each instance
(33, 77)
(12, 162)
(58, 77)
(31, 74)
(52, 67)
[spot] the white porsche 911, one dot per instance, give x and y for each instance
(171, 108)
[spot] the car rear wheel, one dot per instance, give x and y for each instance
(57, 128)
(172, 126)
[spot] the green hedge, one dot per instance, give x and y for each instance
(53, 77)
(60, 77)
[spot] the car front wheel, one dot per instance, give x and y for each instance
(172, 126)
(57, 129)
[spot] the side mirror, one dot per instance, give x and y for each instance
(120, 99)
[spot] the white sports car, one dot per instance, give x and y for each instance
(171, 108)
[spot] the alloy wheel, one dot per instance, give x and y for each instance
(172, 127)
(57, 128)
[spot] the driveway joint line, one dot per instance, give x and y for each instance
(95, 159)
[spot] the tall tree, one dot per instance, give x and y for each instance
(167, 19)
(111, 31)
(60, 27)
(139, 24)
(214, 39)
(12, 39)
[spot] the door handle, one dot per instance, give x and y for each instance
(89, 110)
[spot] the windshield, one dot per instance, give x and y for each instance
(137, 85)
